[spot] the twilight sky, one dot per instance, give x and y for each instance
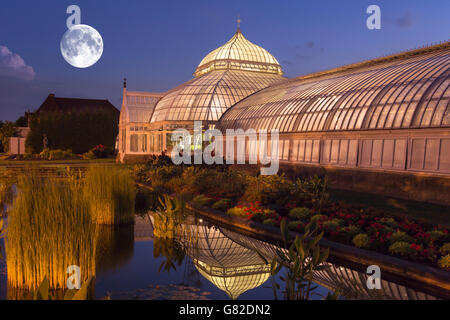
(158, 44)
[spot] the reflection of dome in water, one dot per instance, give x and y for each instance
(350, 283)
(234, 281)
(228, 265)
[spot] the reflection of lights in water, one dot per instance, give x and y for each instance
(237, 280)
(228, 260)
(334, 278)
(231, 267)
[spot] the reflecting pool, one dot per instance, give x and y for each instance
(203, 261)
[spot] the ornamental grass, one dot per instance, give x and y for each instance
(49, 228)
(111, 194)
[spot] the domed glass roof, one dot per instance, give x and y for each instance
(408, 90)
(225, 76)
(239, 54)
(206, 98)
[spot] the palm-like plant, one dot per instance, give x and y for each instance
(315, 189)
(168, 216)
(167, 222)
(171, 251)
(43, 291)
(300, 260)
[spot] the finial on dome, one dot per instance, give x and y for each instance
(238, 24)
(124, 82)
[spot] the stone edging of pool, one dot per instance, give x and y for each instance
(433, 280)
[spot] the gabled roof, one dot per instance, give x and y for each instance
(75, 105)
(138, 106)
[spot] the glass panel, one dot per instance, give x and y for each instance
(134, 143)
(326, 151)
(286, 150)
(417, 153)
(366, 152)
(334, 151)
(444, 160)
(316, 151)
(308, 150)
(301, 151)
(376, 153)
(294, 150)
(343, 152)
(388, 153)
(352, 152)
(400, 154)
(432, 154)
(280, 149)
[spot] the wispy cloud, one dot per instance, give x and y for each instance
(12, 65)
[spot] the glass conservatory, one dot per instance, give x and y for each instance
(391, 113)
(225, 76)
(137, 109)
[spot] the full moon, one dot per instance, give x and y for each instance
(81, 46)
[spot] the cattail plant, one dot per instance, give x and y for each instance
(49, 228)
(111, 194)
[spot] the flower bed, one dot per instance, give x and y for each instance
(269, 199)
(395, 236)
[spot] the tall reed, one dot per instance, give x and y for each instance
(111, 194)
(6, 190)
(49, 228)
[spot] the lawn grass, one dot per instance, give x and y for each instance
(45, 163)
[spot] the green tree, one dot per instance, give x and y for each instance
(22, 122)
(7, 130)
(78, 132)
